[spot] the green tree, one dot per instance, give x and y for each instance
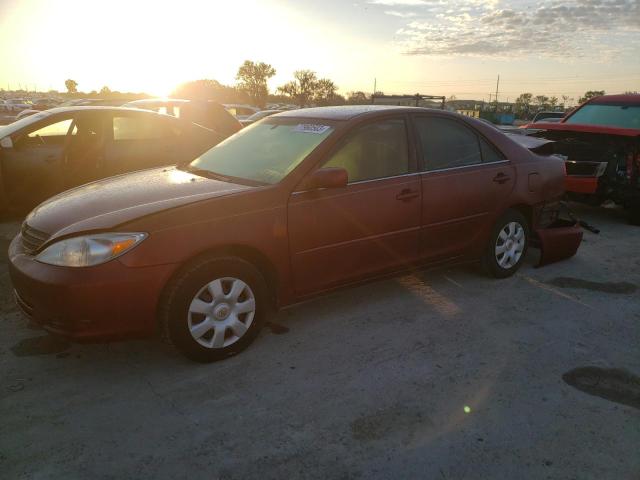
(325, 92)
(71, 85)
(541, 101)
(553, 102)
(590, 94)
(208, 89)
(522, 103)
(105, 91)
(302, 88)
(358, 98)
(252, 79)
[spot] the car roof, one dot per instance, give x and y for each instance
(626, 99)
(97, 108)
(346, 112)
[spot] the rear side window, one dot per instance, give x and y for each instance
(447, 144)
(136, 127)
(377, 150)
(489, 152)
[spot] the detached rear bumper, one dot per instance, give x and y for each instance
(558, 241)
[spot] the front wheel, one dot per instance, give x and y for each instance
(214, 309)
(507, 246)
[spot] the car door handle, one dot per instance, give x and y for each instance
(407, 194)
(501, 178)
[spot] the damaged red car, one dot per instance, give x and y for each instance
(601, 143)
(298, 204)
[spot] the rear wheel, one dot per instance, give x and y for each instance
(634, 213)
(507, 246)
(214, 309)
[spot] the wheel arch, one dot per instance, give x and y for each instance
(244, 252)
(526, 210)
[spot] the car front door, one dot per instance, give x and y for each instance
(33, 169)
(465, 182)
(345, 234)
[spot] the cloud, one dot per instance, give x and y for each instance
(395, 13)
(553, 28)
(393, 3)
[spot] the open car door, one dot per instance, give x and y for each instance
(33, 168)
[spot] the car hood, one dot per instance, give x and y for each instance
(113, 201)
(576, 127)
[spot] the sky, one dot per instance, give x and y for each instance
(432, 47)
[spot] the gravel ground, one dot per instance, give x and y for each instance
(434, 375)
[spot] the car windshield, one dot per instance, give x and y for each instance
(264, 152)
(622, 116)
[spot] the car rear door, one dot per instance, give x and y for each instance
(371, 225)
(33, 169)
(465, 183)
(139, 140)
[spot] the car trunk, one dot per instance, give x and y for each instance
(607, 164)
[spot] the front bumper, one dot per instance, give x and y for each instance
(94, 303)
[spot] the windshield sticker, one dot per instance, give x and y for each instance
(310, 128)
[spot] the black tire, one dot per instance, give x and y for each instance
(634, 214)
(176, 319)
(490, 261)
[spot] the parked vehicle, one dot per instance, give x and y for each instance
(76, 102)
(259, 116)
(57, 149)
(601, 141)
(240, 111)
(206, 113)
(298, 204)
(16, 105)
(547, 117)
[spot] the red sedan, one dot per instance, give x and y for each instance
(295, 205)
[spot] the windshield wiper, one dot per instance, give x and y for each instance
(216, 176)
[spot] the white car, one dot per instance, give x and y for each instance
(240, 111)
(16, 105)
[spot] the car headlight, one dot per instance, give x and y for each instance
(89, 250)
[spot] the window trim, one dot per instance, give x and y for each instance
(412, 156)
(421, 161)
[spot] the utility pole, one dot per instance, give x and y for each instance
(373, 95)
(497, 85)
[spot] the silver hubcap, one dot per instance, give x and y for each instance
(221, 312)
(510, 245)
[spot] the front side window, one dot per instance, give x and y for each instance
(621, 116)
(377, 150)
(447, 143)
(58, 129)
(264, 152)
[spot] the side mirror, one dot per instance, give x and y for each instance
(6, 142)
(331, 177)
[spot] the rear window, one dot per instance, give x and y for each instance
(621, 116)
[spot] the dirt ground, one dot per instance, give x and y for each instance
(436, 375)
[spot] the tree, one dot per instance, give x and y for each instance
(590, 94)
(302, 88)
(553, 102)
(325, 92)
(565, 101)
(72, 85)
(208, 89)
(523, 102)
(252, 79)
(542, 101)
(105, 91)
(357, 98)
